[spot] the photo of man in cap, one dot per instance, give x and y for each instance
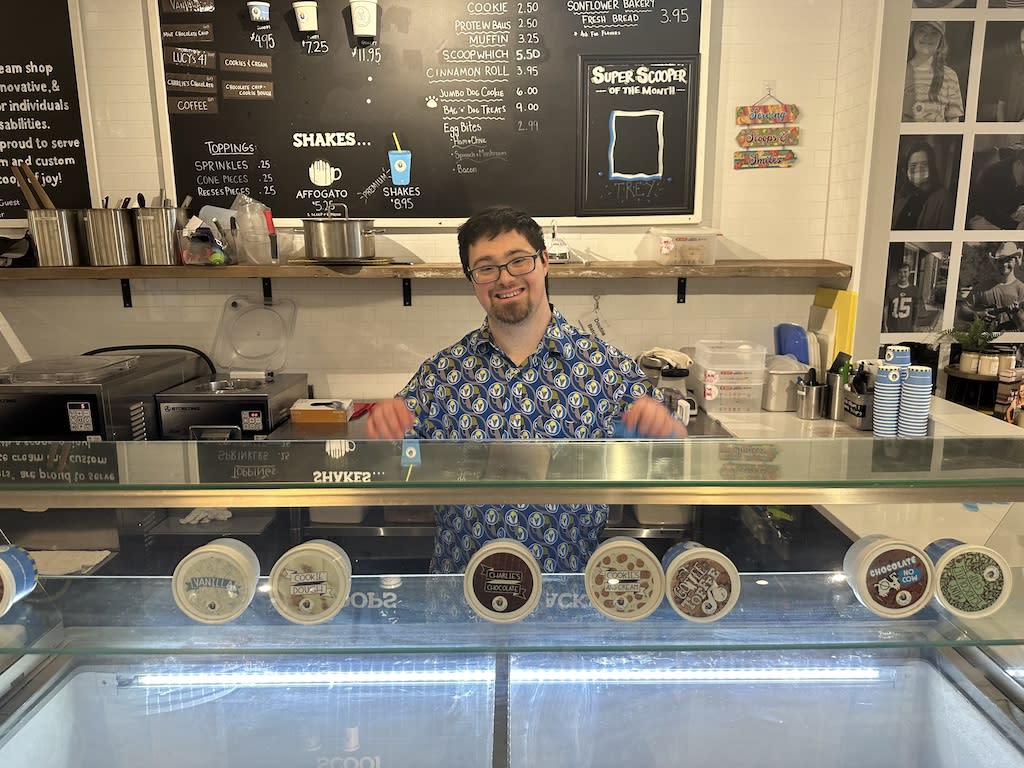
(1002, 304)
(996, 198)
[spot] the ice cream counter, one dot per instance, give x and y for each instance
(110, 670)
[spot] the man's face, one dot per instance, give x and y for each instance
(903, 275)
(510, 299)
(1005, 267)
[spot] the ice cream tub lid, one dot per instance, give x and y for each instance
(701, 584)
(971, 581)
(502, 582)
(215, 583)
(624, 579)
(310, 582)
(892, 578)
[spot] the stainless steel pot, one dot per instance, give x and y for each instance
(339, 240)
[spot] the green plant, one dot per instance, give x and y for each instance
(973, 337)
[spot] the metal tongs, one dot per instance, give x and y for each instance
(35, 195)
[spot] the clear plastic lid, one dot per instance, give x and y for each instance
(79, 369)
(254, 336)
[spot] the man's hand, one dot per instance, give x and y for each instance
(649, 418)
(389, 420)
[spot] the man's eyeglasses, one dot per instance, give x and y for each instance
(519, 265)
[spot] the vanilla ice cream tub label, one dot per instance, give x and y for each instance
(897, 580)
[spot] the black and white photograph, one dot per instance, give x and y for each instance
(945, 3)
(1002, 3)
(938, 64)
(915, 287)
(1001, 89)
(990, 286)
(996, 197)
(926, 180)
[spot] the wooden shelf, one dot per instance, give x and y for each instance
(818, 268)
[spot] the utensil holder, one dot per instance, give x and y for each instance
(156, 231)
(111, 237)
(811, 400)
(857, 409)
(56, 234)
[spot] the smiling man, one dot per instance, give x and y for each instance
(525, 373)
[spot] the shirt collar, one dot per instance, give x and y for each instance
(557, 333)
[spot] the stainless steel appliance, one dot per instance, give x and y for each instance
(90, 397)
(230, 408)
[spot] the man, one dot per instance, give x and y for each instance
(997, 197)
(525, 373)
(1001, 305)
(902, 303)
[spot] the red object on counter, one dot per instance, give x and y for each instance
(360, 409)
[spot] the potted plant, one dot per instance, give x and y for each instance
(973, 338)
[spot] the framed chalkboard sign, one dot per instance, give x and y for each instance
(40, 109)
(638, 134)
(442, 108)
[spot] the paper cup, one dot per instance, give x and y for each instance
(971, 581)
(890, 577)
(259, 10)
(215, 583)
(305, 15)
(701, 584)
(502, 581)
(310, 582)
(17, 576)
(624, 579)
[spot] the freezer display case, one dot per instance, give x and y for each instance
(107, 671)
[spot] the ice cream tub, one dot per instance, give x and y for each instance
(502, 582)
(17, 576)
(701, 584)
(624, 579)
(310, 582)
(215, 583)
(890, 577)
(971, 580)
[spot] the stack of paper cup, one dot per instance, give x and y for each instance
(897, 354)
(886, 407)
(915, 402)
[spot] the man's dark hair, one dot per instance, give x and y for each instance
(494, 221)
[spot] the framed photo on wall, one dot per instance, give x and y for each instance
(1001, 91)
(915, 287)
(938, 65)
(990, 285)
(996, 197)
(926, 180)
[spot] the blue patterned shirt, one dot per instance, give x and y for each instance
(573, 386)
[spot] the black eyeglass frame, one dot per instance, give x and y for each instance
(471, 273)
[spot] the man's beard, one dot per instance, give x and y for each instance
(513, 312)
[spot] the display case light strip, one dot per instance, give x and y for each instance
(756, 675)
(321, 677)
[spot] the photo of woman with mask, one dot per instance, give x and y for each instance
(922, 199)
(931, 89)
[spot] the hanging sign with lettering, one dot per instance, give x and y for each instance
(764, 158)
(780, 136)
(767, 113)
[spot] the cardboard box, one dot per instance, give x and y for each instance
(321, 411)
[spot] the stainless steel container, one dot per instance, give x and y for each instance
(56, 236)
(339, 240)
(811, 400)
(857, 409)
(156, 231)
(111, 237)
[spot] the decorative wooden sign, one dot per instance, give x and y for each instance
(776, 136)
(766, 114)
(763, 158)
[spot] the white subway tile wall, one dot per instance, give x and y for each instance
(355, 339)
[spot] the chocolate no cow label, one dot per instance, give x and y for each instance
(897, 579)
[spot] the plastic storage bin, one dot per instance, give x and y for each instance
(717, 395)
(728, 375)
(678, 246)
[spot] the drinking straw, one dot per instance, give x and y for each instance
(395, 137)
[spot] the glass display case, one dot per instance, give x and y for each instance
(101, 670)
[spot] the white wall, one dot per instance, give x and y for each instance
(356, 339)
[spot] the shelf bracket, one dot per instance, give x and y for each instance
(126, 291)
(406, 292)
(681, 290)
(268, 292)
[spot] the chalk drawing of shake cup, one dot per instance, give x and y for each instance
(401, 162)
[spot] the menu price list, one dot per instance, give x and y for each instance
(40, 113)
(447, 109)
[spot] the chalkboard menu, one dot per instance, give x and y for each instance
(40, 114)
(450, 106)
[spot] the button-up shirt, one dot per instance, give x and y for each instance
(573, 386)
